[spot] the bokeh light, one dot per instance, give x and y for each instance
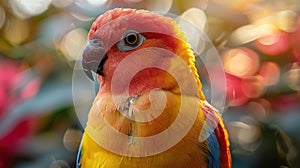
(195, 16)
(270, 72)
(286, 20)
(274, 42)
(72, 43)
(293, 77)
(244, 34)
(252, 86)
(243, 133)
(259, 108)
(27, 8)
(72, 138)
(16, 31)
(240, 62)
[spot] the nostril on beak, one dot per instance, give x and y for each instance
(93, 58)
(96, 43)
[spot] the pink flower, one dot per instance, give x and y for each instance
(13, 90)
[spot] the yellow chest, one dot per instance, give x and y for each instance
(184, 154)
(105, 123)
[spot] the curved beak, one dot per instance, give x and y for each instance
(93, 58)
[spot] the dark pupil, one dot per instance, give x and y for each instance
(131, 39)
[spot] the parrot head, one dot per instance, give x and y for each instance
(136, 37)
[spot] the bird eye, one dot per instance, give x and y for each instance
(130, 40)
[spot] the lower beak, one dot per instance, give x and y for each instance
(93, 58)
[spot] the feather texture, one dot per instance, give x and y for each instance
(181, 99)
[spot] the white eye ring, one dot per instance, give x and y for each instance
(131, 38)
(130, 41)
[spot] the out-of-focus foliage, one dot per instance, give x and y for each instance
(258, 41)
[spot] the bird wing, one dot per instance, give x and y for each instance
(217, 137)
(214, 151)
(78, 159)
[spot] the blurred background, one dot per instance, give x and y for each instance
(258, 41)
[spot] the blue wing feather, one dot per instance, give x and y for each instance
(214, 152)
(78, 159)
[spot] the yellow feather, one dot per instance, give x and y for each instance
(187, 153)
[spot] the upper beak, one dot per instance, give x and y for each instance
(93, 58)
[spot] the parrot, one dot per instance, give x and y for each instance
(149, 110)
